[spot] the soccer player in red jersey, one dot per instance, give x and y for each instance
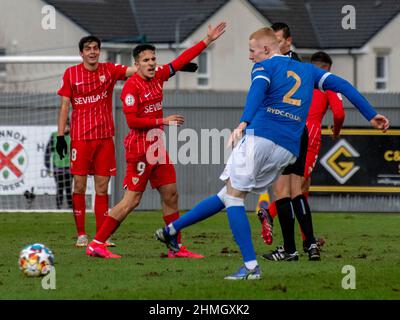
(88, 87)
(146, 156)
(319, 107)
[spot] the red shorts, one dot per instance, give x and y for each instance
(140, 171)
(96, 157)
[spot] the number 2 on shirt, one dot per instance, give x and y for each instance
(287, 98)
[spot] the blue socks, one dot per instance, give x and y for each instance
(240, 227)
(201, 211)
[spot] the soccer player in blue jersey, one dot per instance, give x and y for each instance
(272, 122)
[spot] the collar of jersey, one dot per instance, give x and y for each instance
(279, 55)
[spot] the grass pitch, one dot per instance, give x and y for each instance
(368, 242)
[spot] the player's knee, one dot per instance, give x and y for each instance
(282, 193)
(228, 200)
(171, 199)
(129, 206)
(79, 187)
(231, 201)
(101, 188)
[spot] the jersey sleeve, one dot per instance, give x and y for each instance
(260, 72)
(65, 90)
(129, 98)
(335, 102)
(260, 80)
(164, 72)
(118, 71)
(337, 84)
(130, 107)
(319, 76)
(188, 55)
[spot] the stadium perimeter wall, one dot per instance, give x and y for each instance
(202, 110)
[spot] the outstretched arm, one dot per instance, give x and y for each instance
(188, 55)
(335, 83)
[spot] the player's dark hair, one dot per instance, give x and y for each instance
(88, 39)
(140, 48)
(277, 26)
(322, 57)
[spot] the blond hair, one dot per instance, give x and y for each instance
(265, 33)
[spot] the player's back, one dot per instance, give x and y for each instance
(281, 116)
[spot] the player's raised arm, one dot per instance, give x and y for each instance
(213, 33)
(332, 82)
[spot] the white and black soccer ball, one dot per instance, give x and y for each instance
(35, 260)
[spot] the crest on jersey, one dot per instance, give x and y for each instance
(258, 69)
(129, 100)
(102, 78)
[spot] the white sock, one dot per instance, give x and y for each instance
(251, 264)
(172, 230)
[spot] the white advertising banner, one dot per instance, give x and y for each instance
(22, 165)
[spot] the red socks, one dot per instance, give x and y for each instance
(171, 218)
(79, 209)
(109, 226)
(272, 210)
(100, 210)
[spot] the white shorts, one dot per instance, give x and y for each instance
(255, 163)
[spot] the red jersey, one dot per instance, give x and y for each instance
(143, 99)
(91, 98)
(142, 103)
(318, 108)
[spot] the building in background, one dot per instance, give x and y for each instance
(366, 55)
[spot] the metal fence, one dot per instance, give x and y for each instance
(202, 110)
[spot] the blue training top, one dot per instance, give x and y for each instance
(280, 96)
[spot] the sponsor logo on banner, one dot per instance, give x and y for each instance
(22, 161)
(13, 159)
(339, 169)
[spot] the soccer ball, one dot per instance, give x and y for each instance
(35, 260)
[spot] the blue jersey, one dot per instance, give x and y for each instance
(280, 96)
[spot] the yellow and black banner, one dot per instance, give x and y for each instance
(361, 161)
